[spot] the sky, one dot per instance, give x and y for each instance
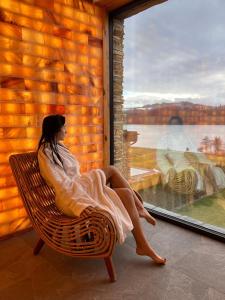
(175, 52)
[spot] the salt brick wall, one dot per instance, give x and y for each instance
(50, 62)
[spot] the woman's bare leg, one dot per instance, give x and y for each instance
(116, 180)
(142, 211)
(143, 246)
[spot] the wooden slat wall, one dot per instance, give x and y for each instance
(112, 4)
(50, 62)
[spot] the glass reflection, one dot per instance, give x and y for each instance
(174, 107)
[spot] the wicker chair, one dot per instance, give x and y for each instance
(92, 235)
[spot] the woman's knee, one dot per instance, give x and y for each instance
(112, 169)
(109, 170)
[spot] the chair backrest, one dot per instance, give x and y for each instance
(37, 196)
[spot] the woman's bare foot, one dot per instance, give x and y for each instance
(156, 258)
(143, 213)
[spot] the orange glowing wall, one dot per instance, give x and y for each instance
(50, 62)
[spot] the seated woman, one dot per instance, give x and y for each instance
(76, 192)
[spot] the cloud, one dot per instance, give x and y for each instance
(177, 47)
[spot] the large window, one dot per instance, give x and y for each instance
(174, 107)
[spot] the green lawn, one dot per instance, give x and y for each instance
(210, 209)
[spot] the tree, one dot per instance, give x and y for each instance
(206, 143)
(217, 143)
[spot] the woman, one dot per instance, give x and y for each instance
(75, 192)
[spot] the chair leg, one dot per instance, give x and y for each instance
(110, 268)
(38, 246)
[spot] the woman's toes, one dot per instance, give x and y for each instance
(156, 258)
(151, 220)
(148, 217)
(160, 260)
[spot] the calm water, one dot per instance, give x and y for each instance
(181, 136)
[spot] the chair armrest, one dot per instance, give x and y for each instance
(69, 234)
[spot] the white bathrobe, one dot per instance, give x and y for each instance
(74, 191)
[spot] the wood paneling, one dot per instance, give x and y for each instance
(110, 5)
(106, 93)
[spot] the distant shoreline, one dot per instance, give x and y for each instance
(190, 113)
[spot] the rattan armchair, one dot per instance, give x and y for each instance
(92, 235)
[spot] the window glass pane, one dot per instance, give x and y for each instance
(174, 107)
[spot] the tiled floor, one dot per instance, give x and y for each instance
(195, 270)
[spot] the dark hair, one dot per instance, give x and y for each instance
(177, 118)
(50, 127)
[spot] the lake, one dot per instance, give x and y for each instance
(177, 137)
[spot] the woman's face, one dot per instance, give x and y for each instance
(61, 134)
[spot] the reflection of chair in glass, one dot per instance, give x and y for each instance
(183, 182)
(92, 235)
(212, 174)
(189, 173)
(177, 173)
(183, 171)
(175, 169)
